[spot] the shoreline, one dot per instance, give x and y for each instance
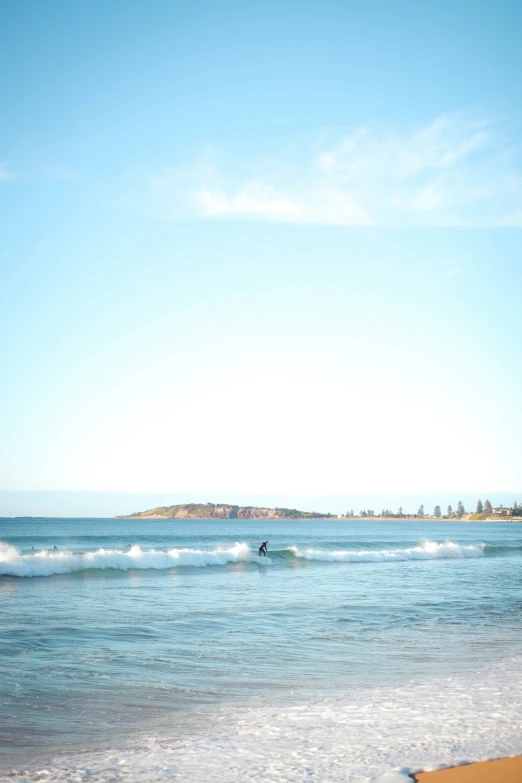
(503, 770)
(377, 734)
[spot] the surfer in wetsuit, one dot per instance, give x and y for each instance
(262, 548)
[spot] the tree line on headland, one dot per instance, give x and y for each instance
(483, 511)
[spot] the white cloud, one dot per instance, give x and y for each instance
(252, 200)
(325, 205)
(455, 171)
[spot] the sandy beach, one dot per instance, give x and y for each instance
(508, 770)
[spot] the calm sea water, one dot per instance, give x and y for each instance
(159, 628)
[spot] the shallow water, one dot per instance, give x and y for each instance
(162, 628)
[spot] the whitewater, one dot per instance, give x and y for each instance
(380, 735)
(49, 562)
(170, 650)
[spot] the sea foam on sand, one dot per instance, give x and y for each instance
(366, 735)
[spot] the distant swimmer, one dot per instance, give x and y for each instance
(262, 548)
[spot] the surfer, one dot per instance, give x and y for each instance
(54, 546)
(262, 548)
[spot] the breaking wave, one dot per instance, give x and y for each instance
(49, 562)
(427, 550)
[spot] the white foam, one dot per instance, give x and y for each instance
(49, 562)
(427, 550)
(368, 735)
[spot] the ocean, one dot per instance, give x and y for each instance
(152, 650)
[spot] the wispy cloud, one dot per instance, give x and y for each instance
(514, 219)
(455, 171)
(46, 172)
(6, 174)
(61, 173)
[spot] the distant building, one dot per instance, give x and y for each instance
(503, 512)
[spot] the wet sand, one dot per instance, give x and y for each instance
(499, 771)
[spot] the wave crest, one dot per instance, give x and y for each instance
(47, 563)
(427, 550)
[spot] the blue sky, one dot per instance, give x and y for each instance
(255, 250)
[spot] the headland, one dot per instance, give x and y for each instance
(224, 511)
